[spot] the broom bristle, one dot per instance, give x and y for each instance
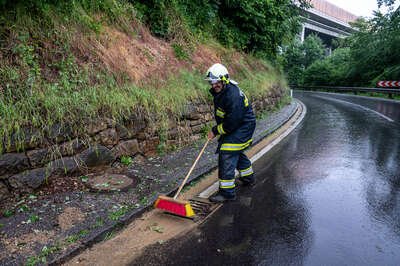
(172, 206)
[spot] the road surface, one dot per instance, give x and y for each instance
(329, 194)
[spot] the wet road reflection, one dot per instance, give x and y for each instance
(329, 194)
(386, 107)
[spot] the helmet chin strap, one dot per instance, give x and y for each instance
(224, 80)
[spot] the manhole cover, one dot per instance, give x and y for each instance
(109, 182)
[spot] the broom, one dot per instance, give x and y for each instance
(175, 206)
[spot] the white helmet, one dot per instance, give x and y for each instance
(217, 72)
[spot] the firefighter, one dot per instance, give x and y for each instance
(235, 127)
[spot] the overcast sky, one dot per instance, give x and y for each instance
(358, 7)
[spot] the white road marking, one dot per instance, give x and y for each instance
(358, 105)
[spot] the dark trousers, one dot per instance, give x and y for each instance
(227, 163)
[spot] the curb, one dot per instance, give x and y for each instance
(270, 131)
(131, 216)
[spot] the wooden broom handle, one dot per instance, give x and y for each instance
(191, 169)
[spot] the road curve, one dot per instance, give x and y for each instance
(329, 194)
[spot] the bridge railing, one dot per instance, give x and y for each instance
(355, 90)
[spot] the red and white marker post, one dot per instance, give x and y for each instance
(388, 84)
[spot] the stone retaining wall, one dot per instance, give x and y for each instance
(62, 152)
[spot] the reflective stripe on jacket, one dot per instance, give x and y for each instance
(235, 119)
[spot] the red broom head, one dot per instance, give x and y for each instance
(178, 207)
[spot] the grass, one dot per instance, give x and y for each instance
(144, 201)
(8, 213)
(126, 160)
(256, 84)
(33, 218)
(42, 257)
(285, 100)
(180, 52)
(23, 208)
(73, 238)
(84, 178)
(116, 215)
(55, 104)
(99, 223)
(109, 235)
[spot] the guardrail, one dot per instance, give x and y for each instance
(355, 90)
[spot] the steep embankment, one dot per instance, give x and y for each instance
(82, 84)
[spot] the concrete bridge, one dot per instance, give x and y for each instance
(327, 21)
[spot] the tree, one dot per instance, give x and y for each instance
(332, 70)
(313, 49)
(254, 26)
(374, 49)
(298, 56)
(369, 55)
(388, 3)
(259, 25)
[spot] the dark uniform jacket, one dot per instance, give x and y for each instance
(235, 119)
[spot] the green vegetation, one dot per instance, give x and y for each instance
(42, 257)
(366, 57)
(332, 70)
(73, 238)
(8, 213)
(116, 215)
(144, 201)
(84, 178)
(285, 100)
(298, 57)
(109, 235)
(157, 228)
(23, 208)
(33, 218)
(126, 160)
(205, 129)
(42, 82)
(99, 223)
(255, 26)
(254, 83)
(51, 72)
(180, 52)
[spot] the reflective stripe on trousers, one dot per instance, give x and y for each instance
(246, 172)
(227, 164)
(227, 183)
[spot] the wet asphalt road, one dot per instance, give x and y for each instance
(329, 194)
